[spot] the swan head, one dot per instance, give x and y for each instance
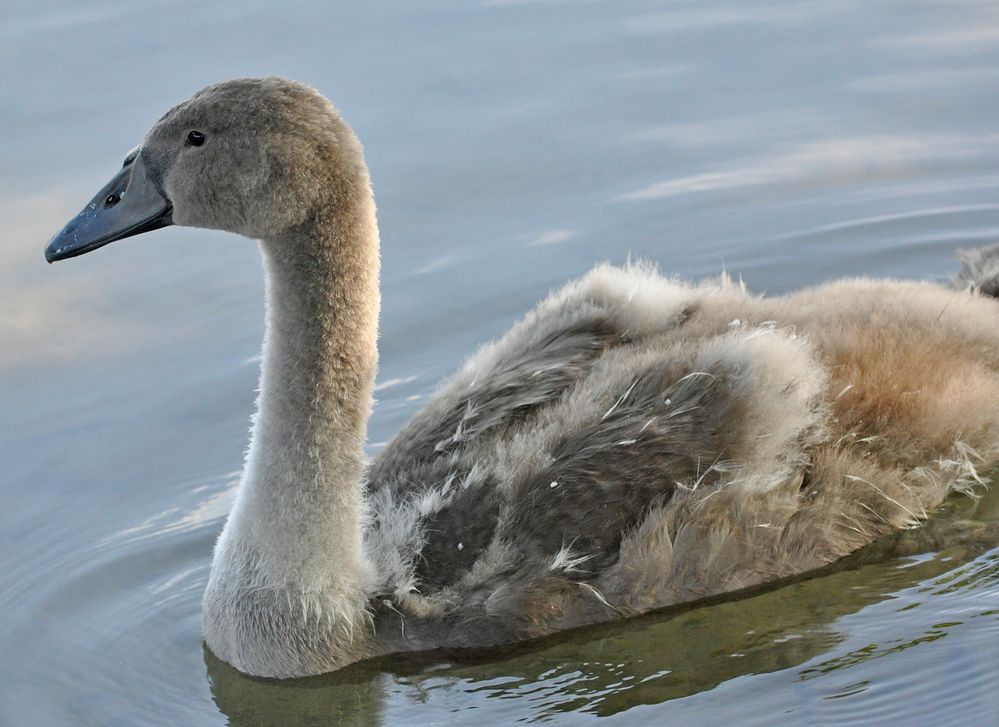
(256, 156)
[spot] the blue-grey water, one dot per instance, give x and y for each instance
(513, 144)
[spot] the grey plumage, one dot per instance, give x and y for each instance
(635, 442)
(980, 270)
(702, 456)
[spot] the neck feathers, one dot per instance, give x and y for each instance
(297, 520)
(320, 347)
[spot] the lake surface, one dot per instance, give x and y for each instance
(512, 144)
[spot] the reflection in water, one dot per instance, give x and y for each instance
(31, 301)
(355, 696)
(611, 669)
(981, 572)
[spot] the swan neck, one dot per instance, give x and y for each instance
(304, 467)
(320, 343)
(290, 583)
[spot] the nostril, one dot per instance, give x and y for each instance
(112, 200)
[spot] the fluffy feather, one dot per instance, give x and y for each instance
(635, 442)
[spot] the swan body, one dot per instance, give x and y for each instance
(635, 442)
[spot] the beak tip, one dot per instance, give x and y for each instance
(54, 251)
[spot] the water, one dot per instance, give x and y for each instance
(512, 144)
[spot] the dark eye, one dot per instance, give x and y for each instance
(195, 138)
(112, 200)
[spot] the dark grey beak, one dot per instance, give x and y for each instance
(129, 204)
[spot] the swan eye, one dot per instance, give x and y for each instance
(112, 200)
(195, 138)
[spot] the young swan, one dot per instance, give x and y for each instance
(635, 442)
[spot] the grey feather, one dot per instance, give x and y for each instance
(980, 270)
(635, 442)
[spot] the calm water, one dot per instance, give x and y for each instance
(512, 144)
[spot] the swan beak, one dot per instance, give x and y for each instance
(129, 204)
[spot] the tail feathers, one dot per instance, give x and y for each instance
(979, 270)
